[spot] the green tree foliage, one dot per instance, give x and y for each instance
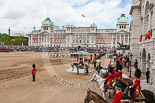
(12, 40)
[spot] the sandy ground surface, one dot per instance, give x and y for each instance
(52, 85)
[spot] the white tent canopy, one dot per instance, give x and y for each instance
(81, 53)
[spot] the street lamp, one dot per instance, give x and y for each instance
(130, 63)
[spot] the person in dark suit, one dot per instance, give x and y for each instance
(147, 75)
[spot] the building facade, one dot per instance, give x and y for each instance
(70, 36)
(143, 35)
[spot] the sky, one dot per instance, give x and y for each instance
(22, 15)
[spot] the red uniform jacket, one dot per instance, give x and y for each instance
(34, 70)
(120, 74)
(90, 60)
(117, 97)
(135, 64)
(95, 58)
(77, 59)
(110, 78)
(136, 85)
(116, 76)
(127, 64)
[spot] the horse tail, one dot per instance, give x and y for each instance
(154, 99)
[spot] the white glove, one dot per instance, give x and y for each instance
(130, 87)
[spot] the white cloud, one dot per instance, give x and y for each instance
(20, 14)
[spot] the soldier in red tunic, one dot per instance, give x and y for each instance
(95, 61)
(109, 79)
(136, 85)
(34, 70)
(118, 94)
(90, 59)
(136, 64)
(120, 72)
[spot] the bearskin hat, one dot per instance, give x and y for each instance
(138, 73)
(118, 83)
(33, 65)
(120, 67)
(110, 69)
(80, 58)
(117, 62)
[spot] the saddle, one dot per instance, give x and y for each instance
(138, 96)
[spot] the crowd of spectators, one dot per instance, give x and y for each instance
(54, 49)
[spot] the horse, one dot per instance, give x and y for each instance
(75, 65)
(148, 96)
(93, 96)
(97, 78)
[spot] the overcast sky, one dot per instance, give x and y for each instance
(22, 15)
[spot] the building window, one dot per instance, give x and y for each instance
(110, 36)
(103, 41)
(100, 41)
(87, 41)
(106, 41)
(109, 41)
(45, 28)
(117, 36)
(126, 41)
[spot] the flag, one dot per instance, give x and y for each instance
(149, 34)
(146, 37)
(83, 15)
(140, 38)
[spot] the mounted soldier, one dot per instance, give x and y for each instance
(109, 79)
(136, 86)
(118, 94)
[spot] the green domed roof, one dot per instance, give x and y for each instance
(47, 21)
(123, 18)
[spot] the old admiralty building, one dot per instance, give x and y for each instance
(70, 36)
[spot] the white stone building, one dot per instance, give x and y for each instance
(142, 45)
(71, 36)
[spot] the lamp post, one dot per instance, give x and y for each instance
(130, 63)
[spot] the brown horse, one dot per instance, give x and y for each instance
(93, 96)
